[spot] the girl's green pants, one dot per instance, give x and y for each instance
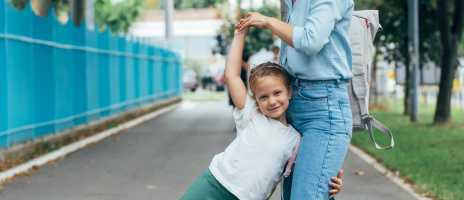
(206, 187)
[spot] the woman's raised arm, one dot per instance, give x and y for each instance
(281, 29)
(237, 89)
(310, 38)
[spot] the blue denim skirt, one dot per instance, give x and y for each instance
(321, 112)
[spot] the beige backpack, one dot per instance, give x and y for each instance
(364, 27)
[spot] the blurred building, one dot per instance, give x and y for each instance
(429, 81)
(196, 30)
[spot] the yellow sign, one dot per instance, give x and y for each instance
(457, 87)
(391, 74)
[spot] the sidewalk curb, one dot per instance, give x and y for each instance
(386, 172)
(83, 143)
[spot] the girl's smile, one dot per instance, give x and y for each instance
(274, 109)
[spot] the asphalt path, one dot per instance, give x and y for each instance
(161, 158)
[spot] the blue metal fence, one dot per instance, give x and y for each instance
(54, 76)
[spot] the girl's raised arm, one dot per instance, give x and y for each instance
(237, 89)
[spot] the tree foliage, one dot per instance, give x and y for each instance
(18, 4)
(257, 38)
(440, 39)
(393, 16)
(393, 40)
(188, 4)
(184, 4)
(60, 6)
(118, 16)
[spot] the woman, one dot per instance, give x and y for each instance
(316, 53)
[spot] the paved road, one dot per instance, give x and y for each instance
(160, 159)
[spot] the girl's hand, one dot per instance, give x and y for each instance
(238, 32)
(337, 185)
(253, 19)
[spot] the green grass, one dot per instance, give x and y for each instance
(206, 96)
(431, 157)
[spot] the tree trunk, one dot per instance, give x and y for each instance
(450, 37)
(407, 99)
(443, 110)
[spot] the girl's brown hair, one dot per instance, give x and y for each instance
(258, 73)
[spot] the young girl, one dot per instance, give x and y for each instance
(251, 165)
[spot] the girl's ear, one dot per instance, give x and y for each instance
(290, 89)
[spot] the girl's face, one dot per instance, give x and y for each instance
(273, 97)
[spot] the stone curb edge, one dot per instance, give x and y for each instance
(83, 143)
(386, 172)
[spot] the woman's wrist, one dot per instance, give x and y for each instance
(283, 30)
(268, 22)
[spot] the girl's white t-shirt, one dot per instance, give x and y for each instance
(251, 165)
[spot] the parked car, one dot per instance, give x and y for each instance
(190, 80)
(213, 79)
(220, 84)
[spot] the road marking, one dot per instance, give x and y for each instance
(386, 172)
(83, 143)
(188, 105)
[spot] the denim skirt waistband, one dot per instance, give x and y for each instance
(303, 82)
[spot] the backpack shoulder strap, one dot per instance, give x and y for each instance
(370, 121)
(292, 158)
(290, 162)
(257, 111)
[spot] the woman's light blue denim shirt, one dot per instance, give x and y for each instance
(321, 38)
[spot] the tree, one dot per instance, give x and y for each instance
(18, 4)
(118, 16)
(451, 22)
(60, 6)
(393, 16)
(256, 38)
(187, 4)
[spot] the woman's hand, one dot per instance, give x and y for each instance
(238, 32)
(253, 19)
(280, 28)
(337, 185)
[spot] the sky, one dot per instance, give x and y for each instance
(255, 3)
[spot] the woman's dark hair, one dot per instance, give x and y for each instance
(245, 57)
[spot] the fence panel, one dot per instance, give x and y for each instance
(55, 76)
(114, 76)
(3, 81)
(93, 111)
(20, 76)
(64, 97)
(42, 60)
(79, 62)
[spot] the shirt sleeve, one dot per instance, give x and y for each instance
(240, 116)
(320, 22)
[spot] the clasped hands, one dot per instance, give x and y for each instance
(252, 19)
